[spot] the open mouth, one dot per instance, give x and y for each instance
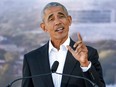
(59, 29)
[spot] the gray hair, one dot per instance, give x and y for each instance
(52, 4)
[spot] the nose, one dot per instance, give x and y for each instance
(57, 21)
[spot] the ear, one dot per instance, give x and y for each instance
(70, 20)
(42, 25)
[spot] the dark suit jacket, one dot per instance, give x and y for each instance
(37, 62)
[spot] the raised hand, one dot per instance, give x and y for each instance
(81, 52)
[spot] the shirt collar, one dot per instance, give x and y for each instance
(67, 42)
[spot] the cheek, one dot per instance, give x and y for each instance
(47, 28)
(67, 23)
(50, 27)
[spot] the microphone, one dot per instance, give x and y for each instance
(55, 66)
(53, 69)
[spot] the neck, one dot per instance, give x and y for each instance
(57, 43)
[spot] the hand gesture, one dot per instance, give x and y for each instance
(81, 52)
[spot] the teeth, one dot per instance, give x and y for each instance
(60, 29)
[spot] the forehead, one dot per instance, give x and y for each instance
(52, 10)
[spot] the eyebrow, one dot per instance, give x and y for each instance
(50, 16)
(60, 13)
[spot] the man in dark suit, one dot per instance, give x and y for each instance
(75, 58)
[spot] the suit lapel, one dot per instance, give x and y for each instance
(68, 68)
(46, 66)
(69, 65)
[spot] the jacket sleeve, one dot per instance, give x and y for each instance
(26, 72)
(95, 71)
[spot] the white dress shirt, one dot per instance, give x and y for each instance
(60, 56)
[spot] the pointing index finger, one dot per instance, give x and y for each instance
(79, 37)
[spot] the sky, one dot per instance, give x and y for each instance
(108, 31)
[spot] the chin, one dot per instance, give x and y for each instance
(61, 37)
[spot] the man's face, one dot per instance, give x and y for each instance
(56, 23)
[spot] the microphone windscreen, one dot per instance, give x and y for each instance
(54, 66)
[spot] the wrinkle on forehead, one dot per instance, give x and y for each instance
(52, 10)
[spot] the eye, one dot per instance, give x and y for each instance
(61, 16)
(51, 19)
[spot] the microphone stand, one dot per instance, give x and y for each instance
(35, 76)
(53, 69)
(79, 77)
